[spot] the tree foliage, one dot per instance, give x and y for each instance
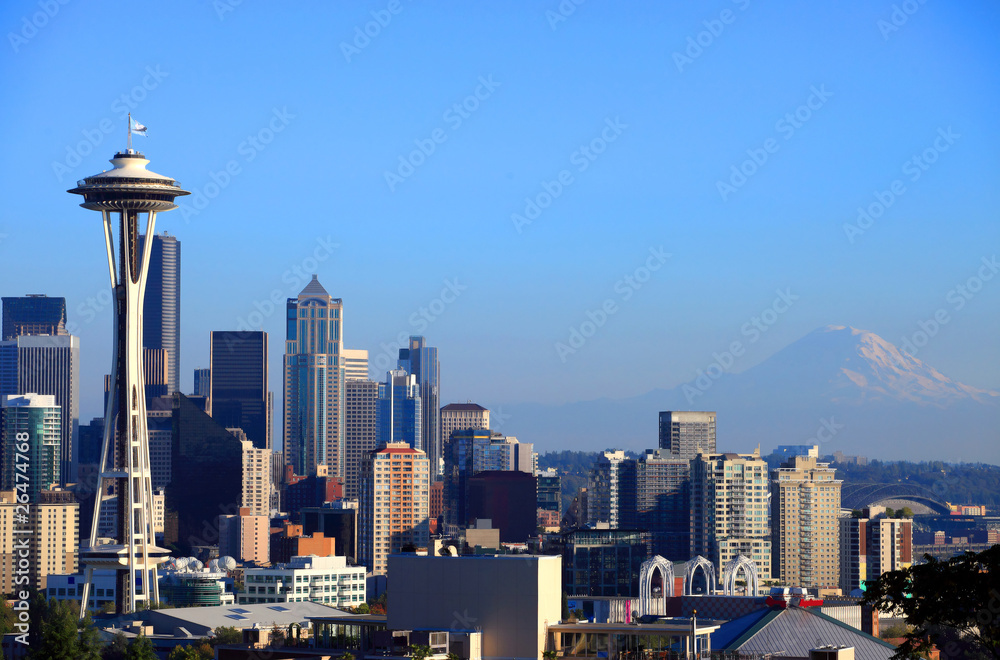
(140, 648)
(200, 651)
(948, 603)
(420, 652)
(226, 635)
(117, 649)
(54, 633)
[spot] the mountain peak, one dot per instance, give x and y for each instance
(853, 366)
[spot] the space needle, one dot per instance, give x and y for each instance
(122, 194)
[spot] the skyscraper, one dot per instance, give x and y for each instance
(422, 361)
(660, 502)
(207, 477)
(729, 515)
(202, 382)
(400, 410)
(360, 430)
(47, 364)
(49, 535)
(355, 364)
(33, 314)
(462, 417)
(603, 488)
(685, 434)
(805, 531)
(314, 382)
(30, 442)
(394, 504)
(161, 311)
(238, 384)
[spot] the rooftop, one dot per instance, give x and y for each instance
(463, 407)
(794, 631)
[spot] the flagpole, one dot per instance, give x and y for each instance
(130, 131)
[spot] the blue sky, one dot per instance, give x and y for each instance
(310, 118)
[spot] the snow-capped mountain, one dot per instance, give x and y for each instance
(840, 387)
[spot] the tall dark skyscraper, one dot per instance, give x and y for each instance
(422, 361)
(34, 314)
(201, 382)
(238, 391)
(161, 312)
(206, 477)
(685, 434)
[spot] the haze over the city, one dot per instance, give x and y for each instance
(583, 204)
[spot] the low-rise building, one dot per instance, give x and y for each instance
(327, 580)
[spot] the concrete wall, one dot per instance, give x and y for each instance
(511, 598)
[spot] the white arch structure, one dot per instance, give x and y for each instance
(707, 567)
(646, 583)
(733, 568)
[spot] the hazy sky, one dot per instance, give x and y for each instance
(627, 124)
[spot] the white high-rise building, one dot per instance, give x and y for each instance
(729, 510)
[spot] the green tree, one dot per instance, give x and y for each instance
(90, 640)
(186, 652)
(890, 512)
(226, 635)
(140, 648)
(565, 606)
(362, 609)
(277, 635)
(948, 603)
(58, 635)
(201, 651)
(420, 652)
(905, 512)
(117, 649)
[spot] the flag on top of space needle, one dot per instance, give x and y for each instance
(137, 128)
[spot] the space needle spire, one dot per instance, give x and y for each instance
(122, 195)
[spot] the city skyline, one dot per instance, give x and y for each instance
(881, 104)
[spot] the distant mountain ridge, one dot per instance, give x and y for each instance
(838, 386)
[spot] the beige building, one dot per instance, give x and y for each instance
(510, 598)
(729, 494)
(355, 363)
(48, 539)
(245, 537)
(257, 486)
(393, 511)
(805, 527)
(462, 417)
